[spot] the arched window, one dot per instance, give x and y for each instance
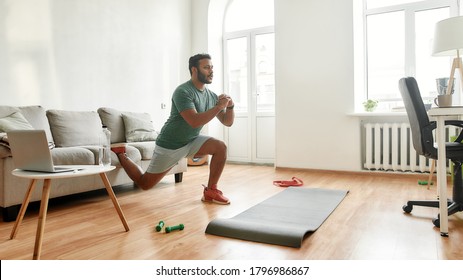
(245, 14)
(249, 51)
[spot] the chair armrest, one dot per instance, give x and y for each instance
(454, 123)
(457, 123)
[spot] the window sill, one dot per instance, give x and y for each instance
(378, 114)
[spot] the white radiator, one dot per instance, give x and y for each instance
(389, 146)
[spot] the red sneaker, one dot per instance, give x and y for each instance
(118, 148)
(214, 195)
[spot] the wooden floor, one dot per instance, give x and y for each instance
(368, 224)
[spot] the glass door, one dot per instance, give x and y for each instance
(250, 80)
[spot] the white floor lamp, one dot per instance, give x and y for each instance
(448, 41)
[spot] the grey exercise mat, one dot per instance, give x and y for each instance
(283, 219)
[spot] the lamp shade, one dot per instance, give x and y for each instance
(448, 37)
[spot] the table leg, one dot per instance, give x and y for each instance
(23, 209)
(42, 218)
(442, 176)
(111, 194)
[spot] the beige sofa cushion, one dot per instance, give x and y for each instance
(128, 126)
(14, 121)
(37, 117)
(7, 110)
(75, 128)
(112, 119)
(138, 127)
(73, 156)
(34, 116)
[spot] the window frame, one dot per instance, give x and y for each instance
(250, 35)
(409, 10)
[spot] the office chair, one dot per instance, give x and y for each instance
(423, 143)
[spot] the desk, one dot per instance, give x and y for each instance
(81, 170)
(441, 114)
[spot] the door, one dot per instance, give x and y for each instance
(250, 80)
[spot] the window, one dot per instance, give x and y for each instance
(249, 51)
(245, 14)
(397, 42)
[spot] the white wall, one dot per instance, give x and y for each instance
(314, 85)
(131, 54)
(81, 55)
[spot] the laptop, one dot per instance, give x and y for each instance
(31, 152)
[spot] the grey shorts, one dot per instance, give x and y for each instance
(163, 159)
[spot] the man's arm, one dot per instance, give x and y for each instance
(195, 119)
(227, 117)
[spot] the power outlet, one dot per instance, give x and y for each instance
(163, 105)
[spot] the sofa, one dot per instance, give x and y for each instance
(74, 138)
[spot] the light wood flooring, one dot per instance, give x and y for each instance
(368, 224)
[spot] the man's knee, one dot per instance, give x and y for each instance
(149, 180)
(212, 147)
(222, 146)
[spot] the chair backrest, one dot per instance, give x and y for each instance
(421, 127)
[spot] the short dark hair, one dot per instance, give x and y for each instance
(194, 60)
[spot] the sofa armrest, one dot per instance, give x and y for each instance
(4, 152)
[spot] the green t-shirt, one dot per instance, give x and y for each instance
(176, 132)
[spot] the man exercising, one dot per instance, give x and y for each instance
(193, 106)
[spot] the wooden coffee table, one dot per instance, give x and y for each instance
(81, 170)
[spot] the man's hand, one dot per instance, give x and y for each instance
(224, 101)
(228, 98)
(226, 115)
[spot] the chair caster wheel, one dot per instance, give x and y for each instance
(407, 208)
(436, 222)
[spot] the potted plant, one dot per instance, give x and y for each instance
(370, 105)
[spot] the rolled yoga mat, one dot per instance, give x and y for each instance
(283, 219)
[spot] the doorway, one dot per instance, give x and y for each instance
(250, 80)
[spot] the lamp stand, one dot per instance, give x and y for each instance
(457, 64)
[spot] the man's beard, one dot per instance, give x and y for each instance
(203, 78)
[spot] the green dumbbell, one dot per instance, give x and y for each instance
(159, 226)
(178, 227)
